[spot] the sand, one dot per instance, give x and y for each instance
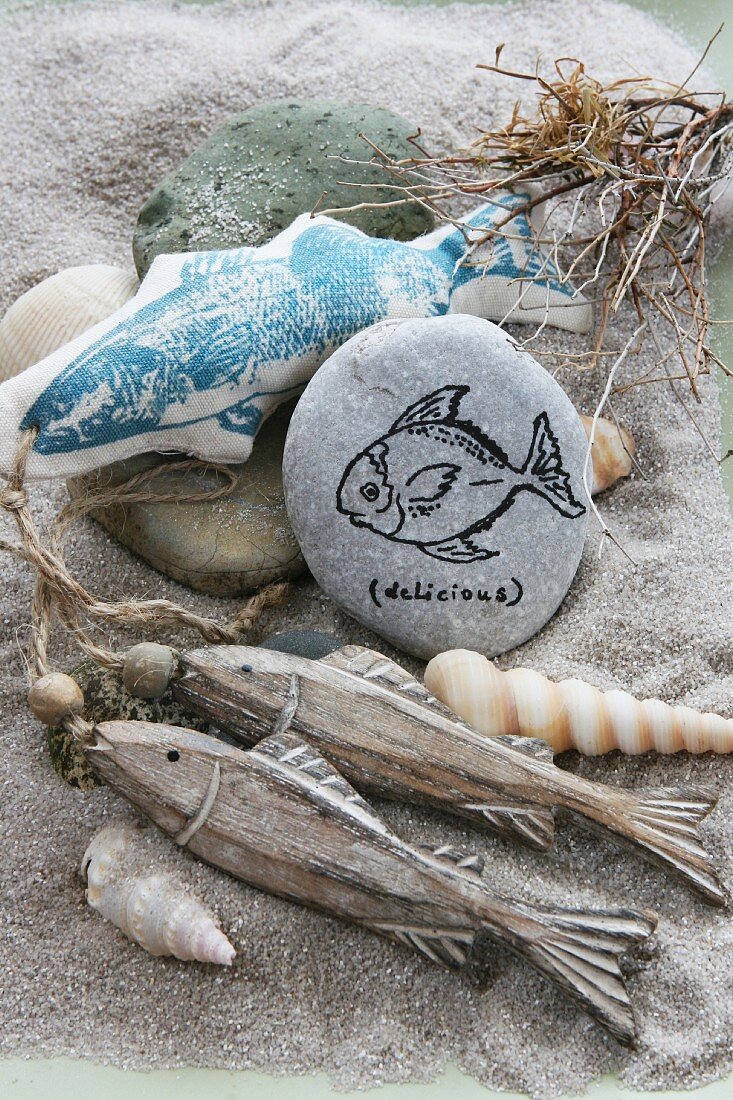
(100, 101)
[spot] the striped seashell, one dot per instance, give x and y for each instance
(570, 714)
(613, 452)
(58, 310)
(152, 910)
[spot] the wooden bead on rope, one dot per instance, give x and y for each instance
(147, 669)
(55, 697)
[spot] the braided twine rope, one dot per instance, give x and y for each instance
(56, 589)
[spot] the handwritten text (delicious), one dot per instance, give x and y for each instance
(509, 594)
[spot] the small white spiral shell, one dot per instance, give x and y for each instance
(570, 714)
(153, 910)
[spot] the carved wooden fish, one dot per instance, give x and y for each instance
(390, 737)
(284, 820)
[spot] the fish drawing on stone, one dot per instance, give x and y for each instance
(284, 820)
(440, 483)
(213, 342)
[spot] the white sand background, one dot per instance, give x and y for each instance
(99, 101)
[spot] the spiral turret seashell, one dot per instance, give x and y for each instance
(613, 452)
(58, 310)
(570, 714)
(154, 910)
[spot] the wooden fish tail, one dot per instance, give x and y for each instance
(664, 823)
(580, 950)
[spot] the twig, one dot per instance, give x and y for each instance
(650, 155)
(588, 465)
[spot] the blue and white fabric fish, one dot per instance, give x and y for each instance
(213, 342)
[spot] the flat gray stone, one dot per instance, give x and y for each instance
(225, 547)
(256, 173)
(433, 478)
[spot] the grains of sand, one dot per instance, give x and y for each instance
(99, 101)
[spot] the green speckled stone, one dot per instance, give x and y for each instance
(256, 173)
(105, 700)
(225, 547)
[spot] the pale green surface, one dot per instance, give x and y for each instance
(67, 1079)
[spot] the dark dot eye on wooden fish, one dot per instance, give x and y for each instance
(384, 731)
(282, 819)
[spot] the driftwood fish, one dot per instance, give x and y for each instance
(282, 819)
(390, 737)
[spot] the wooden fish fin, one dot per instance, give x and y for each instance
(664, 823)
(447, 947)
(580, 950)
(530, 746)
(370, 665)
(467, 861)
(534, 826)
(297, 755)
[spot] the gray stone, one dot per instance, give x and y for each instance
(225, 547)
(255, 174)
(303, 643)
(433, 477)
(106, 699)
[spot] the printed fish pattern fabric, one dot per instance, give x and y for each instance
(213, 342)
(439, 482)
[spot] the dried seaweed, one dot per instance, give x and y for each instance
(626, 175)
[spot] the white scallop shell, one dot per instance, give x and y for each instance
(570, 714)
(59, 309)
(154, 910)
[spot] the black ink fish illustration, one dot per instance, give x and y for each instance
(438, 482)
(284, 820)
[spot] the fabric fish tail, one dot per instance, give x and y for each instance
(581, 951)
(545, 474)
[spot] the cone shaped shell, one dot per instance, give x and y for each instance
(570, 714)
(58, 310)
(152, 910)
(613, 452)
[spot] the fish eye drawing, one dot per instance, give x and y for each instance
(432, 471)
